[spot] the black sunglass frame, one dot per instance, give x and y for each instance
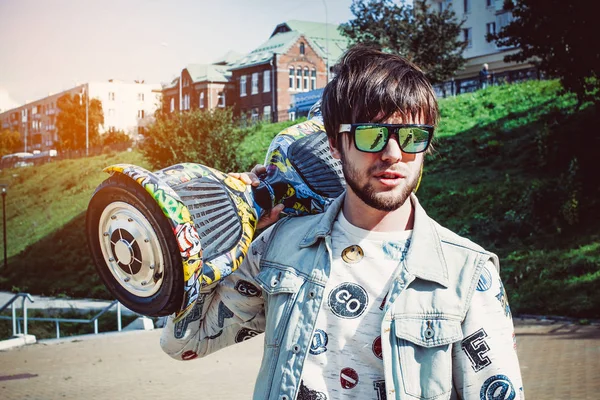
(393, 130)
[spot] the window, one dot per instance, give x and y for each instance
(489, 3)
(140, 113)
(313, 79)
(467, 6)
(243, 85)
(111, 112)
(267, 113)
(111, 96)
(254, 116)
(306, 78)
(254, 82)
(490, 28)
(140, 96)
(201, 100)
(292, 77)
(221, 99)
(172, 104)
(467, 36)
(267, 81)
(186, 102)
(302, 48)
(299, 78)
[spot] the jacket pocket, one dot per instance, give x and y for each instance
(280, 288)
(425, 355)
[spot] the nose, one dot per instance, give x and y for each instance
(392, 151)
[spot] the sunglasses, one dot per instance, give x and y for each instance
(372, 138)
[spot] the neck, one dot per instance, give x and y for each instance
(366, 217)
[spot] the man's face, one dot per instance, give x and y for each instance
(381, 180)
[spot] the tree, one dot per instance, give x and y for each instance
(199, 136)
(558, 37)
(10, 142)
(70, 122)
(428, 38)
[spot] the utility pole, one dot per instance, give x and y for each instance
(87, 129)
(4, 192)
(326, 41)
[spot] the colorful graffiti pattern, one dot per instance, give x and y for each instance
(299, 199)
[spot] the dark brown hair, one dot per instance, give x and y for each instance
(370, 86)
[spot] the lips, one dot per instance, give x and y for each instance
(389, 175)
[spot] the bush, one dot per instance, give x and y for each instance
(205, 137)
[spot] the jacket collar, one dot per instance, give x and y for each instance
(425, 258)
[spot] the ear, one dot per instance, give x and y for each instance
(335, 153)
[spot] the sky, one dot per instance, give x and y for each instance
(47, 46)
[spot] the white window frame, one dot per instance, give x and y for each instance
(313, 79)
(254, 83)
(299, 78)
(221, 99)
(305, 79)
(292, 77)
(466, 6)
(490, 25)
(266, 80)
(186, 101)
(111, 96)
(140, 96)
(201, 100)
(302, 48)
(267, 113)
(172, 104)
(243, 86)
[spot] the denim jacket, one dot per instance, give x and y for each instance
(428, 317)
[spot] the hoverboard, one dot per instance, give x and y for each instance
(157, 238)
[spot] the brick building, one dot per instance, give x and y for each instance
(294, 59)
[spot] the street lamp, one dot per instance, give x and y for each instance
(4, 189)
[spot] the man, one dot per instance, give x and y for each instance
(371, 299)
(484, 76)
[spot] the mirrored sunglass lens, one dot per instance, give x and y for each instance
(413, 140)
(371, 138)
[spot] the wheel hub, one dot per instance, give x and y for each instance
(131, 249)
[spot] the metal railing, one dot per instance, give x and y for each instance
(16, 321)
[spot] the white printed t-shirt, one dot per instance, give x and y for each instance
(345, 358)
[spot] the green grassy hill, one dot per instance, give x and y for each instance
(513, 169)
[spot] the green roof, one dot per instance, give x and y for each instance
(287, 33)
(208, 73)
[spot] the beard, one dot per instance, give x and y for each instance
(387, 201)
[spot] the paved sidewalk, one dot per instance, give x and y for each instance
(558, 361)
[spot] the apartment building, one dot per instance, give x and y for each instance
(481, 18)
(126, 106)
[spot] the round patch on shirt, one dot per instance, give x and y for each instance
(497, 387)
(353, 254)
(348, 378)
(485, 280)
(377, 348)
(189, 355)
(319, 341)
(348, 300)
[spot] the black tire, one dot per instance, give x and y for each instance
(137, 256)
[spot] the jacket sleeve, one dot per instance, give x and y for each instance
(485, 363)
(227, 312)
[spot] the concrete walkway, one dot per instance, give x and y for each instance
(558, 360)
